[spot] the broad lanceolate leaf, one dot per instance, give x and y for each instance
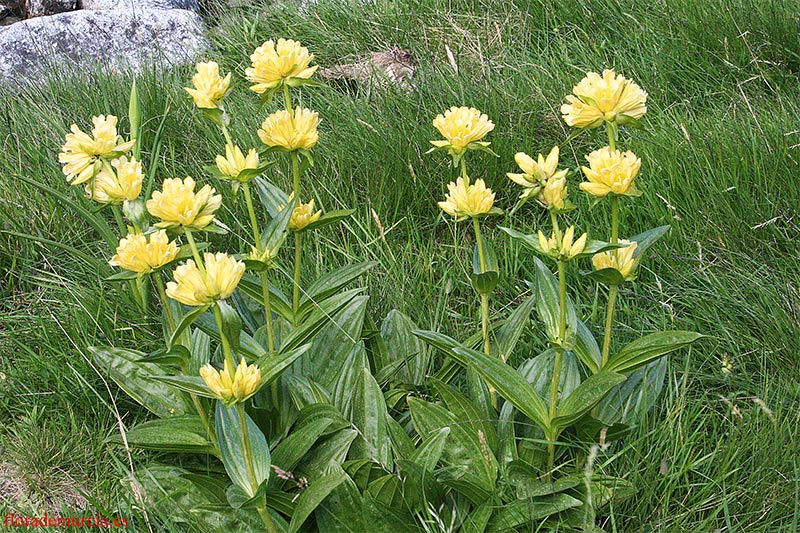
(509, 333)
(321, 316)
(467, 413)
(331, 217)
(341, 511)
(466, 458)
(402, 345)
(548, 306)
(368, 413)
(273, 235)
(231, 447)
(509, 384)
(586, 348)
(648, 348)
(272, 198)
(191, 384)
(585, 397)
(521, 512)
(136, 379)
(184, 433)
(187, 321)
(330, 283)
(280, 304)
(429, 453)
(312, 496)
(647, 239)
(272, 366)
(630, 400)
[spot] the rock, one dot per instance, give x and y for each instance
(394, 65)
(138, 4)
(113, 40)
(41, 8)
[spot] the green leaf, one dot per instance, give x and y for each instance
(606, 276)
(190, 384)
(402, 446)
(466, 459)
(383, 518)
(509, 333)
(586, 348)
(272, 198)
(185, 434)
(231, 446)
(273, 235)
(529, 241)
(368, 413)
(331, 283)
(342, 510)
(585, 397)
(137, 380)
(647, 239)
(312, 496)
(403, 346)
(239, 499)
(331, 217)
(247, 174)
(522, 512)
(272, 366)
(321, 316)
(467, 413)
(538, 371)
(280, 304)
(200, 352)
(548, 307)
(430, 452)
(630, 400)
(214, 114)
(477, 520)
(595, 247)
(327, 453)
(484, 280)
(288, 453)
(648, 348)
(526, 481)
(122, 275)
(187, 320)
(507, 382)
(177, 356)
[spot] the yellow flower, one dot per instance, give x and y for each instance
(209, 86)
(121, 183)
(611, 172)
(303, 215)
(272, 65)
(554, 194)
(80, 152)
(138, 254)
(541, 178)
(465, 200)
(292, 132)
(195, 288)
(462, 126)
(235, 162)
(603, 98)
(620, 259)
(229, 386)
(178, 205)
(566, 249)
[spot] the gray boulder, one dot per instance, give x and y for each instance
(41, 8)
(112, 40)
(137, 4)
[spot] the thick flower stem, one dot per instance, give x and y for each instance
(611, 128)
(226, 346)
(298, 258)
(612, 299)
(195, 252)
(248, 460)
(268, 312)
(464, 170)
(164, 302)
(614, 219)
(227, 136)
(248, 199)
(287, 101)
(556, 380)
(487, 346)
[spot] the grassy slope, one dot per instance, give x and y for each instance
(720, 165)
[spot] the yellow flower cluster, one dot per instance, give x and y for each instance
(463, 128)
(274, 65)
(81, 153)
(209, 86)
(120, 183)
(293, 131)
(143, 254)
(605, 98)
(465, 200)
(217, 281)
(564, 249)
(234, 161)
(542, 179)
(176, 204)
(229, 386)
(611, 172)
(620, 259)
(303, 215)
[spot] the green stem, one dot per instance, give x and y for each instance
(195, 252)
(298, 258)
(212, 434)
(612, 299)
(120, 221)
(479, 240)
(611, 128)
(556, 229)
(551, 456)
(555, 382)
(562, 301)
(227, 135)
(248, 199)
(614, 219)
(248, 459)
(487, 346)
(268, 312)
(296, 175)
(287, 100)
(226, 347)
(464, 171)
(164, 302)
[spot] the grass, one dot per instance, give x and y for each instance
(719, 451)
